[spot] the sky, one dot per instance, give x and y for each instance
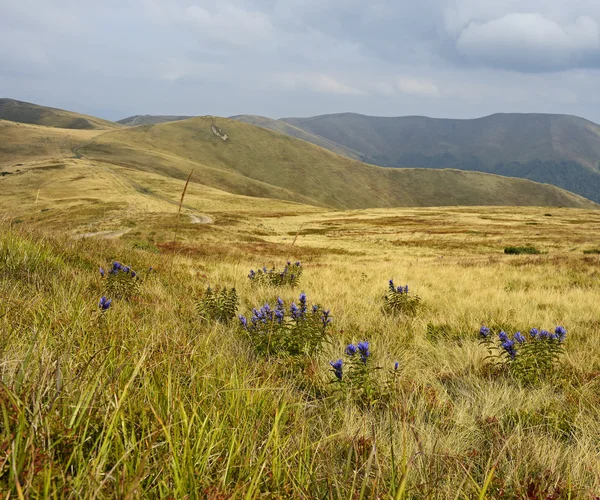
(282, 58)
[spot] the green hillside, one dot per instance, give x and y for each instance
(557, 149)
(257, 162)
(25, 112)
(287, 129)
(134, 121)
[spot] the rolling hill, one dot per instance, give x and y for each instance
(135, 120)
(257, 162)
(25, 112)
(287, 129)
(562, 150)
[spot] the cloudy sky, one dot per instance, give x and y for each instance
(441, 58)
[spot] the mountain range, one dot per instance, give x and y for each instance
(309, 161)
(562, 150)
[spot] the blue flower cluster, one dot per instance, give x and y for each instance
(117, 268)
(362, 348)
(297, 330)
(337, 368)
(104, 304)
(509, 346)
(560, 333)
(401, 289)
(268, 314)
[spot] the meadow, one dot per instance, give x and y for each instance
(148, 399)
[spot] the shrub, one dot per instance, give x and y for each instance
(592, 251)
(522, 250)
(218, 305)
(297, 331)
(398, 300)
(121, 281)
(529, 358)
(289, 276)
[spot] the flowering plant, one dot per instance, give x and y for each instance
(529, 357)
(295, 331)
(289, 276)
(121, 281)
(398, 300)
(356, 374)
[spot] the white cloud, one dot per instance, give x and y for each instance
(529, 41)
(422, 88)
(229, 24)
(314, 82)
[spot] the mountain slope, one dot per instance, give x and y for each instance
(499, 138)
(258, 162)
(559, 149)
(135, 120)
(287, 129)
(25, 112)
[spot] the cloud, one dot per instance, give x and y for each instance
(453, 58)
(529, 42)
(314, 82)
(422, 88)
(229, 24)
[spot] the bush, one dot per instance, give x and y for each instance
(522, 250)
(289, 276)
(398, 300)
(275, 330)
(529, 358)
(218, 305)
(592, 251)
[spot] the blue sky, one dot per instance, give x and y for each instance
(277, 58)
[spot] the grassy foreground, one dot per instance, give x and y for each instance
(146, 400)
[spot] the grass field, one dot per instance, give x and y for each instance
(146, 399)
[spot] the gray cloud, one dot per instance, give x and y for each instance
(458, 58)
(530, 42)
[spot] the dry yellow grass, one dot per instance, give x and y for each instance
(188, 409)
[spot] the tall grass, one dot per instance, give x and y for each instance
(144, 400)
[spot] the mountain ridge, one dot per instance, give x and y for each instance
(563, 150)
(34, 114)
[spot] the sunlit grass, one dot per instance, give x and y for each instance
(146, 399)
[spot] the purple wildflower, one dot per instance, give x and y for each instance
(351, 350)
(337, 368)
(104, 303)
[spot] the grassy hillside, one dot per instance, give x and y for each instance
(134, 121)
(25, 112)
(258, 162)
(289, 130)
(148, 400)
(558, 149)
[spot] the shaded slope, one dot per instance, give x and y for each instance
(25, 112)
(134, 121)
(287, 129)
(559, 149)
(258, 162)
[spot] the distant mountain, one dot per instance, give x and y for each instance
(244, 159)
(287, 129)
(562, 150)
(26, 112)
(134, 121)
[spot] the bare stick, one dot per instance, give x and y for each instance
(178, 216)
(296, 237)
